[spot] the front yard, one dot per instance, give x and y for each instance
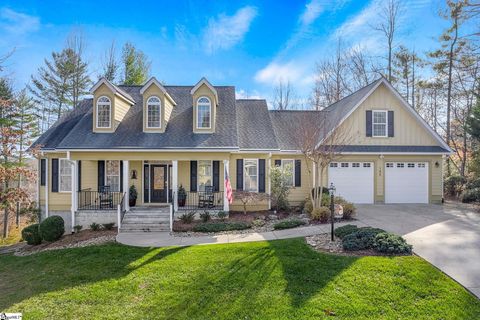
(282, 279)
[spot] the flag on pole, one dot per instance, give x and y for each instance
(228, 187)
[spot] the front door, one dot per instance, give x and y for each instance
(158, 186)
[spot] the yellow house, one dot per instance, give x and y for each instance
(177, 144)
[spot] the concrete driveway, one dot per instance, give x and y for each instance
(448, 236)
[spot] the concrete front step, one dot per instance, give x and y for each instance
(139, 228)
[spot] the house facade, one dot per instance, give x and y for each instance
(177, 145)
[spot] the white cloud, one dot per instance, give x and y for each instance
(312, 10)
(274, 72)
(244, 94)
(18, 23)
(224, 32)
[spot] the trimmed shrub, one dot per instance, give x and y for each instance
(52, 228)
(77, 228)
(287, 224)
(187, 217)
(361, 240)
(308, 207)
(220, 226)
(470, 195)
(108, 226)
(31, 234)
(320, 214)
(348, 210)
(95, 226)
(453, 185)
(345, 230)
(205, 216)
(222, 215)
(325, 202)
(386, 242)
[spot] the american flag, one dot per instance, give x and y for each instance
(228, 187)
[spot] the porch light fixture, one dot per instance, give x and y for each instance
(332, 190)
(134, 174)
(437, 164)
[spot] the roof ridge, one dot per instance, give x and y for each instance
(355, 92)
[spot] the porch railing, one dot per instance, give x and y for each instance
(201, 200)
(99, 200)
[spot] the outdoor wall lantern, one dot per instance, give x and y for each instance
(134, 174)
(437, 164)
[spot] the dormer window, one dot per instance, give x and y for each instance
(153, 112)
(104, 110)
(204, 111)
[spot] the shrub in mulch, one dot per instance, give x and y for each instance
(31, 234)
(287, 224)
(220, 226)
(345, 230)
(52, 228)
(390, 243)
(362, 239)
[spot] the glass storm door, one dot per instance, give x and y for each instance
(158, 183)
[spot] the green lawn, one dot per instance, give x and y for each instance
(281, 279)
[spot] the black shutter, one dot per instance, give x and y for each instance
(390, 123)
(239, 174)
(54, 175)
(369, 123)
(43, 173)
(298, 173)
(79, 175)
(261, 175)
(121, 176)
(193, 176)
(101, 174)
(278, 163)
(216, 176)
(146, 183)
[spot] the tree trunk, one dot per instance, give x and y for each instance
(449, 88)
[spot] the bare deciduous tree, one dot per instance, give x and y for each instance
(283, 94)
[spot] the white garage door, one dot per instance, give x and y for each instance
(406, 182)
(353, 180)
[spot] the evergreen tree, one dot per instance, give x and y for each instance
(135, 64)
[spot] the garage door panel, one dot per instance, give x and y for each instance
(353, 180)
(406, 182)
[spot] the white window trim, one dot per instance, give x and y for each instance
(110, 113)
(60, 175)
(293, 170)
(210, 112)
(244, 160)
(198, 180)
(119, 175)
(386, 123)
(160, 112)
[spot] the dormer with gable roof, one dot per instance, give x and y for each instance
(205, 102)
(110, 105)
(157, 106)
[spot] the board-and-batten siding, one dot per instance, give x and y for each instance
(407, 129)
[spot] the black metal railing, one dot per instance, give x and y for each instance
(99, 200)
(201, 200)
(122, 207)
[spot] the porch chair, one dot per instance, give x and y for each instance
(106, 197)
(206, 198)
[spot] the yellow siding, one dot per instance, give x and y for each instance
(298, 194)
(203, 90)
(138, 183)
(89, 175)
(407, 130)
(167, 156)
(57, 200)
(121, 108)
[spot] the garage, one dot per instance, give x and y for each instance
(406, 182)
(353, 180)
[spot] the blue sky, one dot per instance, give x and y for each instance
(248, 44)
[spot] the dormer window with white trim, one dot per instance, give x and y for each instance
(154, 114)
(104, 111)
(379, 121)
(204, 111)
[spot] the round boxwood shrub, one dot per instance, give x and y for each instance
(361, 240)
(52, 228)
(386, 242)
(345, 230)
(31, 234)
(320, 214)
(470, 195)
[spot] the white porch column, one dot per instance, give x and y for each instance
(269, 181)
(74, 190)
(126, 179)
(226, 167)
(47, 185)
(175, 184)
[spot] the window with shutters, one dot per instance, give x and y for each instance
(379, 123)
(205, 174)
(288, 166)
(250, 175)
(65, 175)
(112, 174)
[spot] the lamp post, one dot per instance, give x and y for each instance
(331, 190)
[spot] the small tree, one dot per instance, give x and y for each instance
(136, 65)
(248, 197)
(280, 189)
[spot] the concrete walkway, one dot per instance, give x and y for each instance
(447, 236)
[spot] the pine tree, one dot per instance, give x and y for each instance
(135, 64)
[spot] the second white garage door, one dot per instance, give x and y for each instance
(406, 182)
(353, 180)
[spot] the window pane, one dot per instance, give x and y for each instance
(288, 167)
(153, 116)
(112, 174)
(103, 115)
(379, 117)
(204, 174)
(203, 120)
(65, 176)
(379, 130)
(250, 175)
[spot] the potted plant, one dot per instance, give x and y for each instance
(132, 196)
(182, 196)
